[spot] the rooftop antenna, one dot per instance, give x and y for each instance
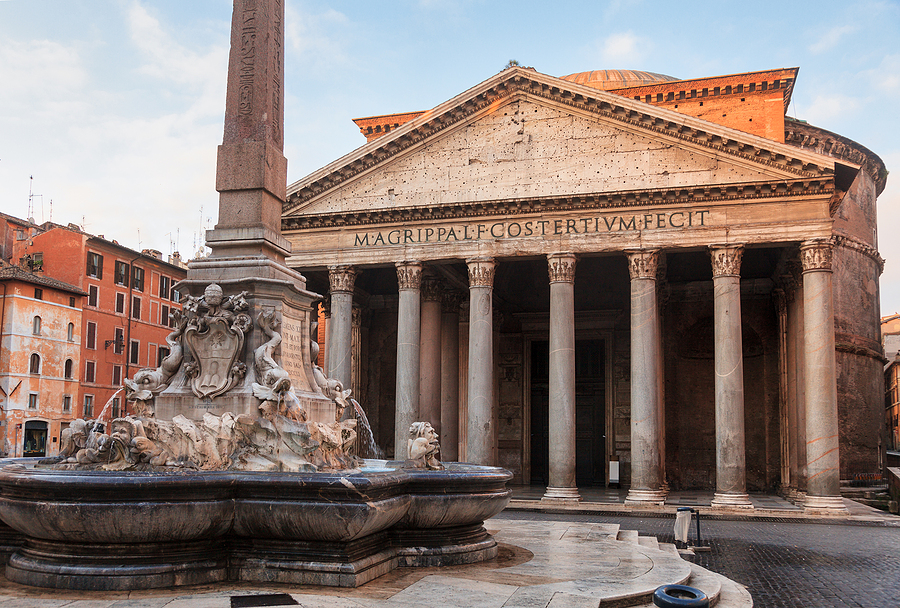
(139, 239)
(51, 211)
(31, 197)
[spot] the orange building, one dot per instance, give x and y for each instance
(40, 350)
(125, 319)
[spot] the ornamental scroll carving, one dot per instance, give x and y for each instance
(561, 267)
(481, 272)
(726, 260)
(432, 289)
(643, 264)
(341, 278)
(816, 254)
(409, 275)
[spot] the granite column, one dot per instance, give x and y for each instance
(430, 354)
(823, 482)
(561, 429)
(646, 476)
(731, 471)
(450, 376)
(341, 279)
(479, 431)
(409, 279)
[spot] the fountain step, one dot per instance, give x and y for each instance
(648, 541)
(628, 536)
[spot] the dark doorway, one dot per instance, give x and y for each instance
(590, 412)
(35, 439)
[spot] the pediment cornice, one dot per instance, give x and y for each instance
(778, 157)
(682, 196)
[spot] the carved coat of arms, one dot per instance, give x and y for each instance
(215, 337)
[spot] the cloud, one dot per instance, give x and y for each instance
(315, 38)
(826, 107)
(830, 38)
(623, 50)
(886, 77)
(40, 76)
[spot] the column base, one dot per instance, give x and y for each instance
(561, 495)
(645, 497)
(825, 505)
(731, 501)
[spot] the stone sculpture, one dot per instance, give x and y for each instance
(423, 447)
(149, 382)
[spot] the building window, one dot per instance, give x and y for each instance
(94, 265)
(135, 307)
(88, 406)
(176, 296)
(93, 295)
(115, 408)
(120, 303)
(121, 277)
(89, 371)
(135, 352)
(70, 332)
(164, 315)
(137, 278)
(67, 369)
(161, 354)
(67, 403)
(72, 302)
(21, 235)
(119, 344)
(36, 326)
(91, 336)
(32, 401)
(38, 294)
(117, 375)
(34, 364)
(164, 287)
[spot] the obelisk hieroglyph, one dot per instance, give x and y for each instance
(251, 170)
(248, 251)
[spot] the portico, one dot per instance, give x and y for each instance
(559, 278)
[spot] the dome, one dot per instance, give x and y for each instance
(617, 79)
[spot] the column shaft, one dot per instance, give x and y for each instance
(479, 431)
(731, 469)
(646, 478)
(562, 379)
(450, 377)
(823, 483)
(409, 277)
(430, 355)
(341, 279)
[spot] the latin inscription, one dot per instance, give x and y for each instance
(292, 339)
(534, 228)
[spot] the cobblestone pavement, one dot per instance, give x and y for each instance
(785, 564)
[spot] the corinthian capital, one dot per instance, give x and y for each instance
(409, 275)
(816, 254)
(561, 267)
(726, 260)
(643, 263)
(432, 289)
(341, 278)
(481, 272)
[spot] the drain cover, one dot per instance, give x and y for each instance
(255, 601)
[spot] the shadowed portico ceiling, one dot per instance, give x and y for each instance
(792, 171)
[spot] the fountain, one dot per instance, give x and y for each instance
(238, 462)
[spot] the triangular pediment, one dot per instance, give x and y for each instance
(527, 138)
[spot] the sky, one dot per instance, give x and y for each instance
(111, 110)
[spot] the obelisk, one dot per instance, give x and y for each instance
(248, 250)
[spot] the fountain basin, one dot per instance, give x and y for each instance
(140, 530)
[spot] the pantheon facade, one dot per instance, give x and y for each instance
(609, 277)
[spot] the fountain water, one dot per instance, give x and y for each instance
(369, 449)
